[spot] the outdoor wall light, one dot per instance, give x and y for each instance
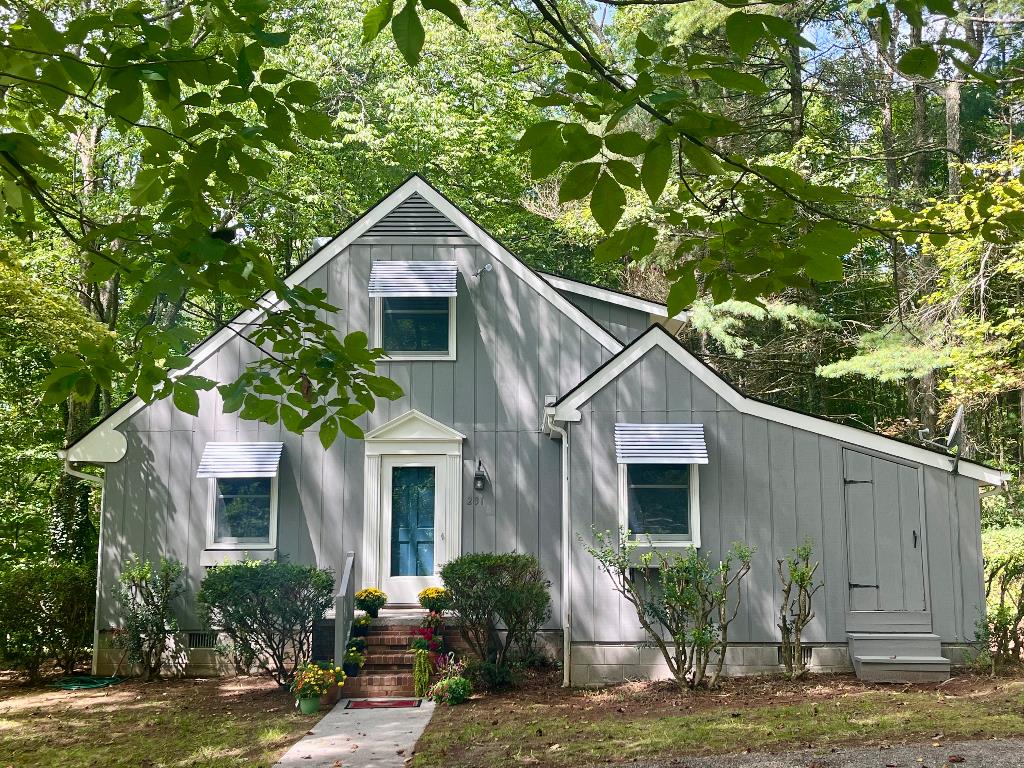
(480, 476)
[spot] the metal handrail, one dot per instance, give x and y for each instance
(344, 607)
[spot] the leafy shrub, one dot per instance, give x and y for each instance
(371, 600)
(683, 601)
(485, 589)
(268, 608)
(434, 599)
(420, 671)
(796, 575)
(46, 613)
(491, 676)
(1001, 633)
(146, 594)
(451, 691)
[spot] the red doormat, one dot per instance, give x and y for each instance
(383, 704)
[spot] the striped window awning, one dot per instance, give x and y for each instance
(240, 460)
(660, 444)
(413, 278)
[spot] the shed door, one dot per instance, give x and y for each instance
(885, 546)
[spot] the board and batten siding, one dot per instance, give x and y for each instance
(513, 348)
(766, 484)
(624, 323)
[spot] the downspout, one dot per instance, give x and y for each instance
(99, 483)
(566, 556)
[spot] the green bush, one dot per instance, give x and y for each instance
(46, 614)
(268, 608)
(1001, 633)
(451, 691)
(146, 594)
(487, 589)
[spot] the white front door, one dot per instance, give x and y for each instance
(412, 525)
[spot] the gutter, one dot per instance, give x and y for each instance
(550, 426)
(100, 483)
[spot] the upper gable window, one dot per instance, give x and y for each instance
(414, 308)
(659, 496)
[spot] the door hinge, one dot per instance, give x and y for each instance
(863, 586)
(855, 482)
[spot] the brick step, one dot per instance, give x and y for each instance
(371, 685)
(400, 659)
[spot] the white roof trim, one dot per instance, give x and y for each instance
(105, 445)
(568, 408)
(610, 296)
(414, 425)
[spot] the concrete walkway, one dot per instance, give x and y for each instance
(360, 738)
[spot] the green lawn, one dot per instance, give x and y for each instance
(582, 728)
(222, 723)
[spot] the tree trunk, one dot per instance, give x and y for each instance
(951, 95)
(920, 122)
(796, 93)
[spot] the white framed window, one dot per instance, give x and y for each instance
(660, 503)
(414, 308)
(659, 482)
(242, 501)
(243, 513)
(415, 327)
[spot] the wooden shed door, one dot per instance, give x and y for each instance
(885, 547)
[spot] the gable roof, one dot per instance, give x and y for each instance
(609, 295)
(104, 444)
(566, 408)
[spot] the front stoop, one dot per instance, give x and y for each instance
(898, 657)
(388, 668)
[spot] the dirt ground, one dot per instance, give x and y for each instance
(222, 722)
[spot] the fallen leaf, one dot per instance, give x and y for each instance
(955, 759)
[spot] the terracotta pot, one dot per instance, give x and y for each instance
(332, 696)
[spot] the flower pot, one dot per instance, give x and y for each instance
(351, 670)
(372, 612)
(332, 696)
(309, 705)
(360, 630)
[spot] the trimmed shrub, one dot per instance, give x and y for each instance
(46, 614)
(487, 589)
(451, 691)
(1001, 632)
(146, 594)
(268, 609)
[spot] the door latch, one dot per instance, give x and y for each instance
(855, 482)
(863, 586)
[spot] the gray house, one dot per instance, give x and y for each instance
(535, 408)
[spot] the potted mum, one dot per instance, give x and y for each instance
(370, 600)
(354, 661)
(330, 698)
(311, 683)
(435, 599)
(361, 626)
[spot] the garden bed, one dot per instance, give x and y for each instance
(545, 725)
(222, 722)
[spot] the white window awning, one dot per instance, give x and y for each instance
(660, 444)
(413, 278)
(240, 460)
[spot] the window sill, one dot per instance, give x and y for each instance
(218, 554)
(398, 357)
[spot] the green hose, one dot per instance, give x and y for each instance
(85, 682)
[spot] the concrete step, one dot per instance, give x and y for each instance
(894, 644)
(901, 669)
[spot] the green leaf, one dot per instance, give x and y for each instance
(376, 19)
(449, 9)
(328, 431)
(732, 79)
(655, 169)
(645, 46)
(624, 172)
(44, 29)
(185, 399)
(580, 144)
(743, 31)
(350, 428)
(701, 159)
(682, 293)
(244, 69)
(578, 182)
(627, 143)
(408, 32)
(922, 60)
(607, 202)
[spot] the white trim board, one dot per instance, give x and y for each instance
(567, 408)
(104, 444)
(609, 296)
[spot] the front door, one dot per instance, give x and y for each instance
(410, 518)
(885, 546)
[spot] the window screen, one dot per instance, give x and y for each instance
(242, 514)
(659, 500)
(415, 324)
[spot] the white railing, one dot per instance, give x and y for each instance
(344, 607)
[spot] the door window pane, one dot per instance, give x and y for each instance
(242, 514)
(659, 500)
(415, 324)
(412, 521)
